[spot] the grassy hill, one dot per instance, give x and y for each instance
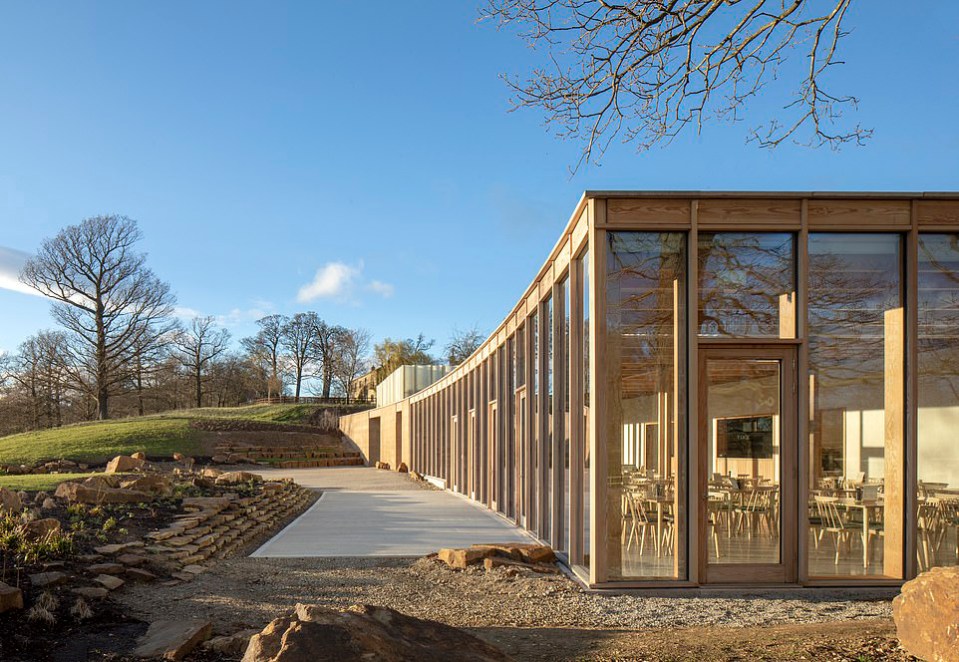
(157, 434)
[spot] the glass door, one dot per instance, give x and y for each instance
(748, 482)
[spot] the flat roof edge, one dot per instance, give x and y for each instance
(901, 195)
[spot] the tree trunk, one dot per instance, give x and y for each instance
(327, 382)
(299, 377)
(199, 389)
(139, 389)
(103, 395)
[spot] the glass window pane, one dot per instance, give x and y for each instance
(747, 285)
(584, 265)
(744, 432)
(938, 461)
(856, 382)
(646, 520)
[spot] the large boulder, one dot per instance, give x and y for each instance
(234, 477)
(9, 501)
(173, 640)
(10, 598)
(363, 632)
(77, 493)
(124, 463)
(39, 529)
(926, 612)
(155, 483)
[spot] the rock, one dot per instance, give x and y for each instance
(101, 482)
(232, 644)
(194, 569)
(140, 575)
(926, 613)
(49, 504)
(106, 569)
(40, 529)
(93, 592)
(139, 455)
(234, 477)
(403, 469)
(491, 562)
(77, 493)
(10, 598)
(383, 465)
(44, 579)
(201, 482)
(173, 640)
(363, 632)
(505, 550)
(109, 581)
(132, 560)
(220, 459)
(210, 472)
(9, 501)
(117, 547)
(461, 558)
(178, 457)
(155, 483)
(122, 463)
(538, 554)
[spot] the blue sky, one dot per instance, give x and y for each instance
(359, 159)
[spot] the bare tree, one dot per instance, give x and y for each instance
(197, 348)
(462, 344)
(352, 357)
(327, 348)
(266, 347)
(104, 296)
(38, 370)
(646, 69)
(300, 341)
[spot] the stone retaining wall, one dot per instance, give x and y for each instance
(215, 527)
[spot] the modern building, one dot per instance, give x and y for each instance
(407, 380)
(703, 388)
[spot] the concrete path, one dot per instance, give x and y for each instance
(367, 512)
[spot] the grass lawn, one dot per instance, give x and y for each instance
(267, 413)
(100, 441)
(37, 482)
(156, 434)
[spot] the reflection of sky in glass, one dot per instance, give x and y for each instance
(741, 278)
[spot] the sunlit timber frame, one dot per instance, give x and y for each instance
(757, 404)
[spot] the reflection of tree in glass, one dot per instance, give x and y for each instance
(938, 309)
(640, 307)
(742, 277)
(849, 293)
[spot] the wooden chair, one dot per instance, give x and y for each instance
(832, 522)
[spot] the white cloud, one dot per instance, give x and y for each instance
(342, 282)
(335, 280)
(186, 313)
(385, 290)
(11, 262)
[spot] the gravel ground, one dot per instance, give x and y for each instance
(513, 612)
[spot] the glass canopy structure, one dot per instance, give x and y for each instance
(716, 388)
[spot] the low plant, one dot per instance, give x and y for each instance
(81, 610)
(38, 614)
(48, 601)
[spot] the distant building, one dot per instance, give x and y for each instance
(407, 380)
(364, 388)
